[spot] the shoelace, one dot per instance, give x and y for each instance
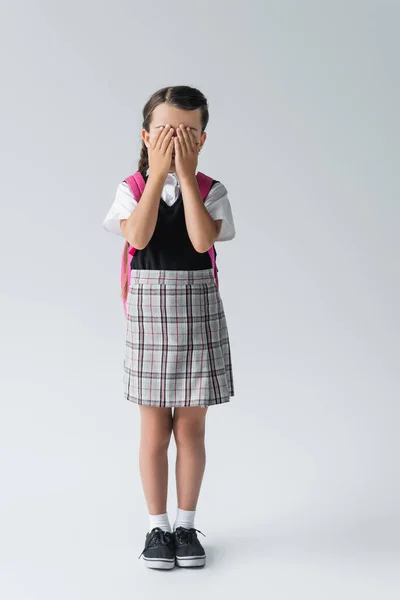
(187, 534)
(158, 535)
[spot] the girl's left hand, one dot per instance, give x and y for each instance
(186, 153)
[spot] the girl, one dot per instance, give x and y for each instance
(177, 344)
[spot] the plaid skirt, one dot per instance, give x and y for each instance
(177, 344)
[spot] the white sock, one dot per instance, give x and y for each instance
(184, 518)
(161, 521)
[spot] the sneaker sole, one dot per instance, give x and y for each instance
(159, 563)
(191, 561)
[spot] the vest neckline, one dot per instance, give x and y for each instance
(174, 203)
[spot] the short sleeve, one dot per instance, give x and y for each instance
(124, 204)
(218, 207)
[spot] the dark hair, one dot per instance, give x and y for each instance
(179, 96)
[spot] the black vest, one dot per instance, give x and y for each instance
(170, 246)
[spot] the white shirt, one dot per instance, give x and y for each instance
(217, 205)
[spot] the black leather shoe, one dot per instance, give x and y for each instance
(188, 550)
(159, 549)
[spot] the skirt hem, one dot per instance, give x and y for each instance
(180, 405)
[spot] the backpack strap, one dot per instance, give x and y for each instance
(136, 184)
(205, 182)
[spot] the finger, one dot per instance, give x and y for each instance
(178, 147)
(161, 137)
(188, 139)
(165, 142)
(191, 139)
(182, 139)
(156, 135)
(170, 147)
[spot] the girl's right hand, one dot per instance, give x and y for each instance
(160, 151)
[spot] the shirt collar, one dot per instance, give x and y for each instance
(172, 178)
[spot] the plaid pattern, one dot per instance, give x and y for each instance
(177, 343)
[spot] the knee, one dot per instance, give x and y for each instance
(156, 439)
(188, 433)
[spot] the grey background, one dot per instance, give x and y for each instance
(301, 494)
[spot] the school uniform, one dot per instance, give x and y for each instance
(177, 350)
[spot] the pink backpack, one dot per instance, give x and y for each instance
(137, 184)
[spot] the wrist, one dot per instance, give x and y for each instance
(188, 179)
(156, 178)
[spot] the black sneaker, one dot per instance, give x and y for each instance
(159, 551)
(188, 550)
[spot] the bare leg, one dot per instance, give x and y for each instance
(156, 429)
(189, 431)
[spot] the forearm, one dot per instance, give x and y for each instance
(200, 225)
(139, 227)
